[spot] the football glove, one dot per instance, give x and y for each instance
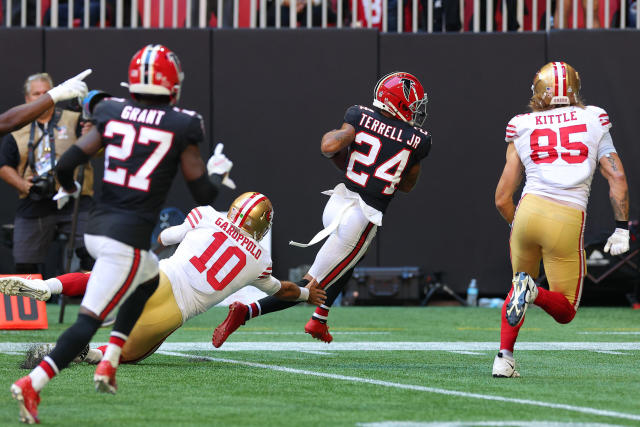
(219, 164)
(618, 242)
(62, 197)
(72, 88)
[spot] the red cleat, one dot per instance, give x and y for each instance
(318, 330)
(105, 378)
(28, 400)
(235, 319)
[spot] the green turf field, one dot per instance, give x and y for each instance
(386, 366)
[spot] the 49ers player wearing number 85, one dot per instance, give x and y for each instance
(558, 146)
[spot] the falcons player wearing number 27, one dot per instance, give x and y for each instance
(557, 146)
(145, 139)
(380, 150)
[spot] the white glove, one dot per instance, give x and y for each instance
(72, 88)
(618, 242)
(62, 197)
(219, 164)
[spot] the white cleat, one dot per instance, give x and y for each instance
(504, 367)
(31, 288)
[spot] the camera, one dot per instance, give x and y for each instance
(44, 187)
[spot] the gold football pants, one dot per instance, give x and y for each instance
(554, 232)
(160, 317)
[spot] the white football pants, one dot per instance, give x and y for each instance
(346, 245)
(118, 271)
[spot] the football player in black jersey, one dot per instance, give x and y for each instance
(144, 141)
(20, 115)
(380, 150)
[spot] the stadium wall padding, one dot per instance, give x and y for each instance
(269, 96)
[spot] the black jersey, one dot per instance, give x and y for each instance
(383, 150)
(143, 145)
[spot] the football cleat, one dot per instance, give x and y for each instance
(524, 293)
(31, 288)
(105, 378)
(504, 366)
(318, 330)
(82, 355)
(235, 319)
(28, 400)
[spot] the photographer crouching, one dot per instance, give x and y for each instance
(27, 161)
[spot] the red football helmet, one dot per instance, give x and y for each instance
(402, 96)
(155, 70)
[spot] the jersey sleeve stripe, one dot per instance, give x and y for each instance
(198, 212)
(194, 218)
(190, 222)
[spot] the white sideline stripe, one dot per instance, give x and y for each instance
(482, 423)
(609, 333)
(304, 333)
(581, 409)
(374, 346)
(322, 353)
(473, 353)
(609, 352)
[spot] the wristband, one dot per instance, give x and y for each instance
(622, 224)
(304, 294)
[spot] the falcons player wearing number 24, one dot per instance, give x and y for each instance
(557, 146)
(145, 140)
(380, 150)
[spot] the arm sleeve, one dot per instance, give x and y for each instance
(512, 131)
(268, 284)
(425, 145)
(352, 115)
(195, 131)
(9, 154)
(173, 235)
(605, 146)
(99, 118)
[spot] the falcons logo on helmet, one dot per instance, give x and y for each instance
(407, 88)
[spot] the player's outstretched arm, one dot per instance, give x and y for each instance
(508, 184)
(312, 293)
(612, 170)
(18, 116)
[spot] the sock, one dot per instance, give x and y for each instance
(43, 373)
(321, 313)
(508, 333)
(254, 311)
(132, 308)
(69, 345)
(114, 348)
(556, 304)
(71, 285)
(333, 291)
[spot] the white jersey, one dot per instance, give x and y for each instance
(214, 260)
(560, 150)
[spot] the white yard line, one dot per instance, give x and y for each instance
(610, 333)
(375, 346)
(572, 408)
(482, 423)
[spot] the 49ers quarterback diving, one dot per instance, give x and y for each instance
(558, 146)
(216, 257)
(380, 150)
(145, 139)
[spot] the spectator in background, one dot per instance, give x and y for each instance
(27, 159)
(567, 5)
(301, 13)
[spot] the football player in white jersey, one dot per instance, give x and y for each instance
(217, 255)
(558, 146)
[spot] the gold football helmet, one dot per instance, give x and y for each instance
(557, 83)
(253, 213)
